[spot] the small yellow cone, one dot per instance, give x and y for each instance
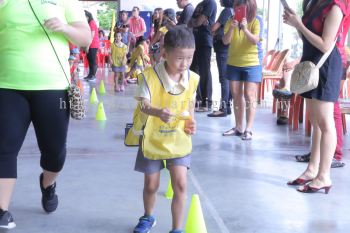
(195, 221)
(93, 96)
(100, 115)
(169, 192)
(102, 89)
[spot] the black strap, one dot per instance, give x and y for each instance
(48, 37)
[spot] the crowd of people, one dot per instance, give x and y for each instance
(172, 68)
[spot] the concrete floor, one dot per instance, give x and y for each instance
(242, 185)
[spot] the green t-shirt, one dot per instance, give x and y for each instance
(27, 60)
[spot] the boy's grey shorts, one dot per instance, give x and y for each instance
(149, 166)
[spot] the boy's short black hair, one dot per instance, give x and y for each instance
(179, 37)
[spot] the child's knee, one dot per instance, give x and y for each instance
(151, 187)
(180, 187)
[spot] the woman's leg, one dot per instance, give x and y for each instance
(179, 182)
(250, 92)
(338, 155)
(238, 103)
(51, 128)
(14, 123)
(150, 189)
(325, 120)
(313, 165)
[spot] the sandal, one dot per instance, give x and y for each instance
(303, 158)
(232, 132)
(247, 135)
(337, 163)
(217, 114)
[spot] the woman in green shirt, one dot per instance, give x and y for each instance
(33, 88)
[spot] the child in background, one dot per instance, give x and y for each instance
(118, 61)
(139, 59)
(169, 21)
(167, 94)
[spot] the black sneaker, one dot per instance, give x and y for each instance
(92, 79)
(6, 220)
(87, 77)
(49, 199)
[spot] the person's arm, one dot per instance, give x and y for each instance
(77, 32)
(223, 18)
(135, 54)
(164, 114)
(330, 28)
(201, 20)
(229, 27)
(186, 15)
(156, 38)
(215, 27)
(253, 37)
(143, 28)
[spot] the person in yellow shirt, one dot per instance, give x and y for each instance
(139, 59)
(167, 94)
(243, 67)
(119, 51)
(169, 20)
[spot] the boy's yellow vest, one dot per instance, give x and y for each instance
(167, 140)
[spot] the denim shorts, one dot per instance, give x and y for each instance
(244, 74)
(149, 166)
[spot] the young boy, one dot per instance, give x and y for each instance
(167, 93)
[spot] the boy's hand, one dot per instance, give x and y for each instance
(190, 126)
(165, 115)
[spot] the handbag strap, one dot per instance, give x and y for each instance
(325, 56)
(48, 37)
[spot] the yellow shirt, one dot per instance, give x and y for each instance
(167, 140)
(169, 85)
(242, 52)
(163, 30)
(137, 56)
(118, 54)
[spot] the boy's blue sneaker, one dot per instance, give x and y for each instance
(145, 224)
(176, 231)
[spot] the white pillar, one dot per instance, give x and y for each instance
(274, 20)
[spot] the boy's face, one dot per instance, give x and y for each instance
(179, 59)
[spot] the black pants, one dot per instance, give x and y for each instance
(221, 61)
(49, 112)
(91, 56)
(201, 65)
